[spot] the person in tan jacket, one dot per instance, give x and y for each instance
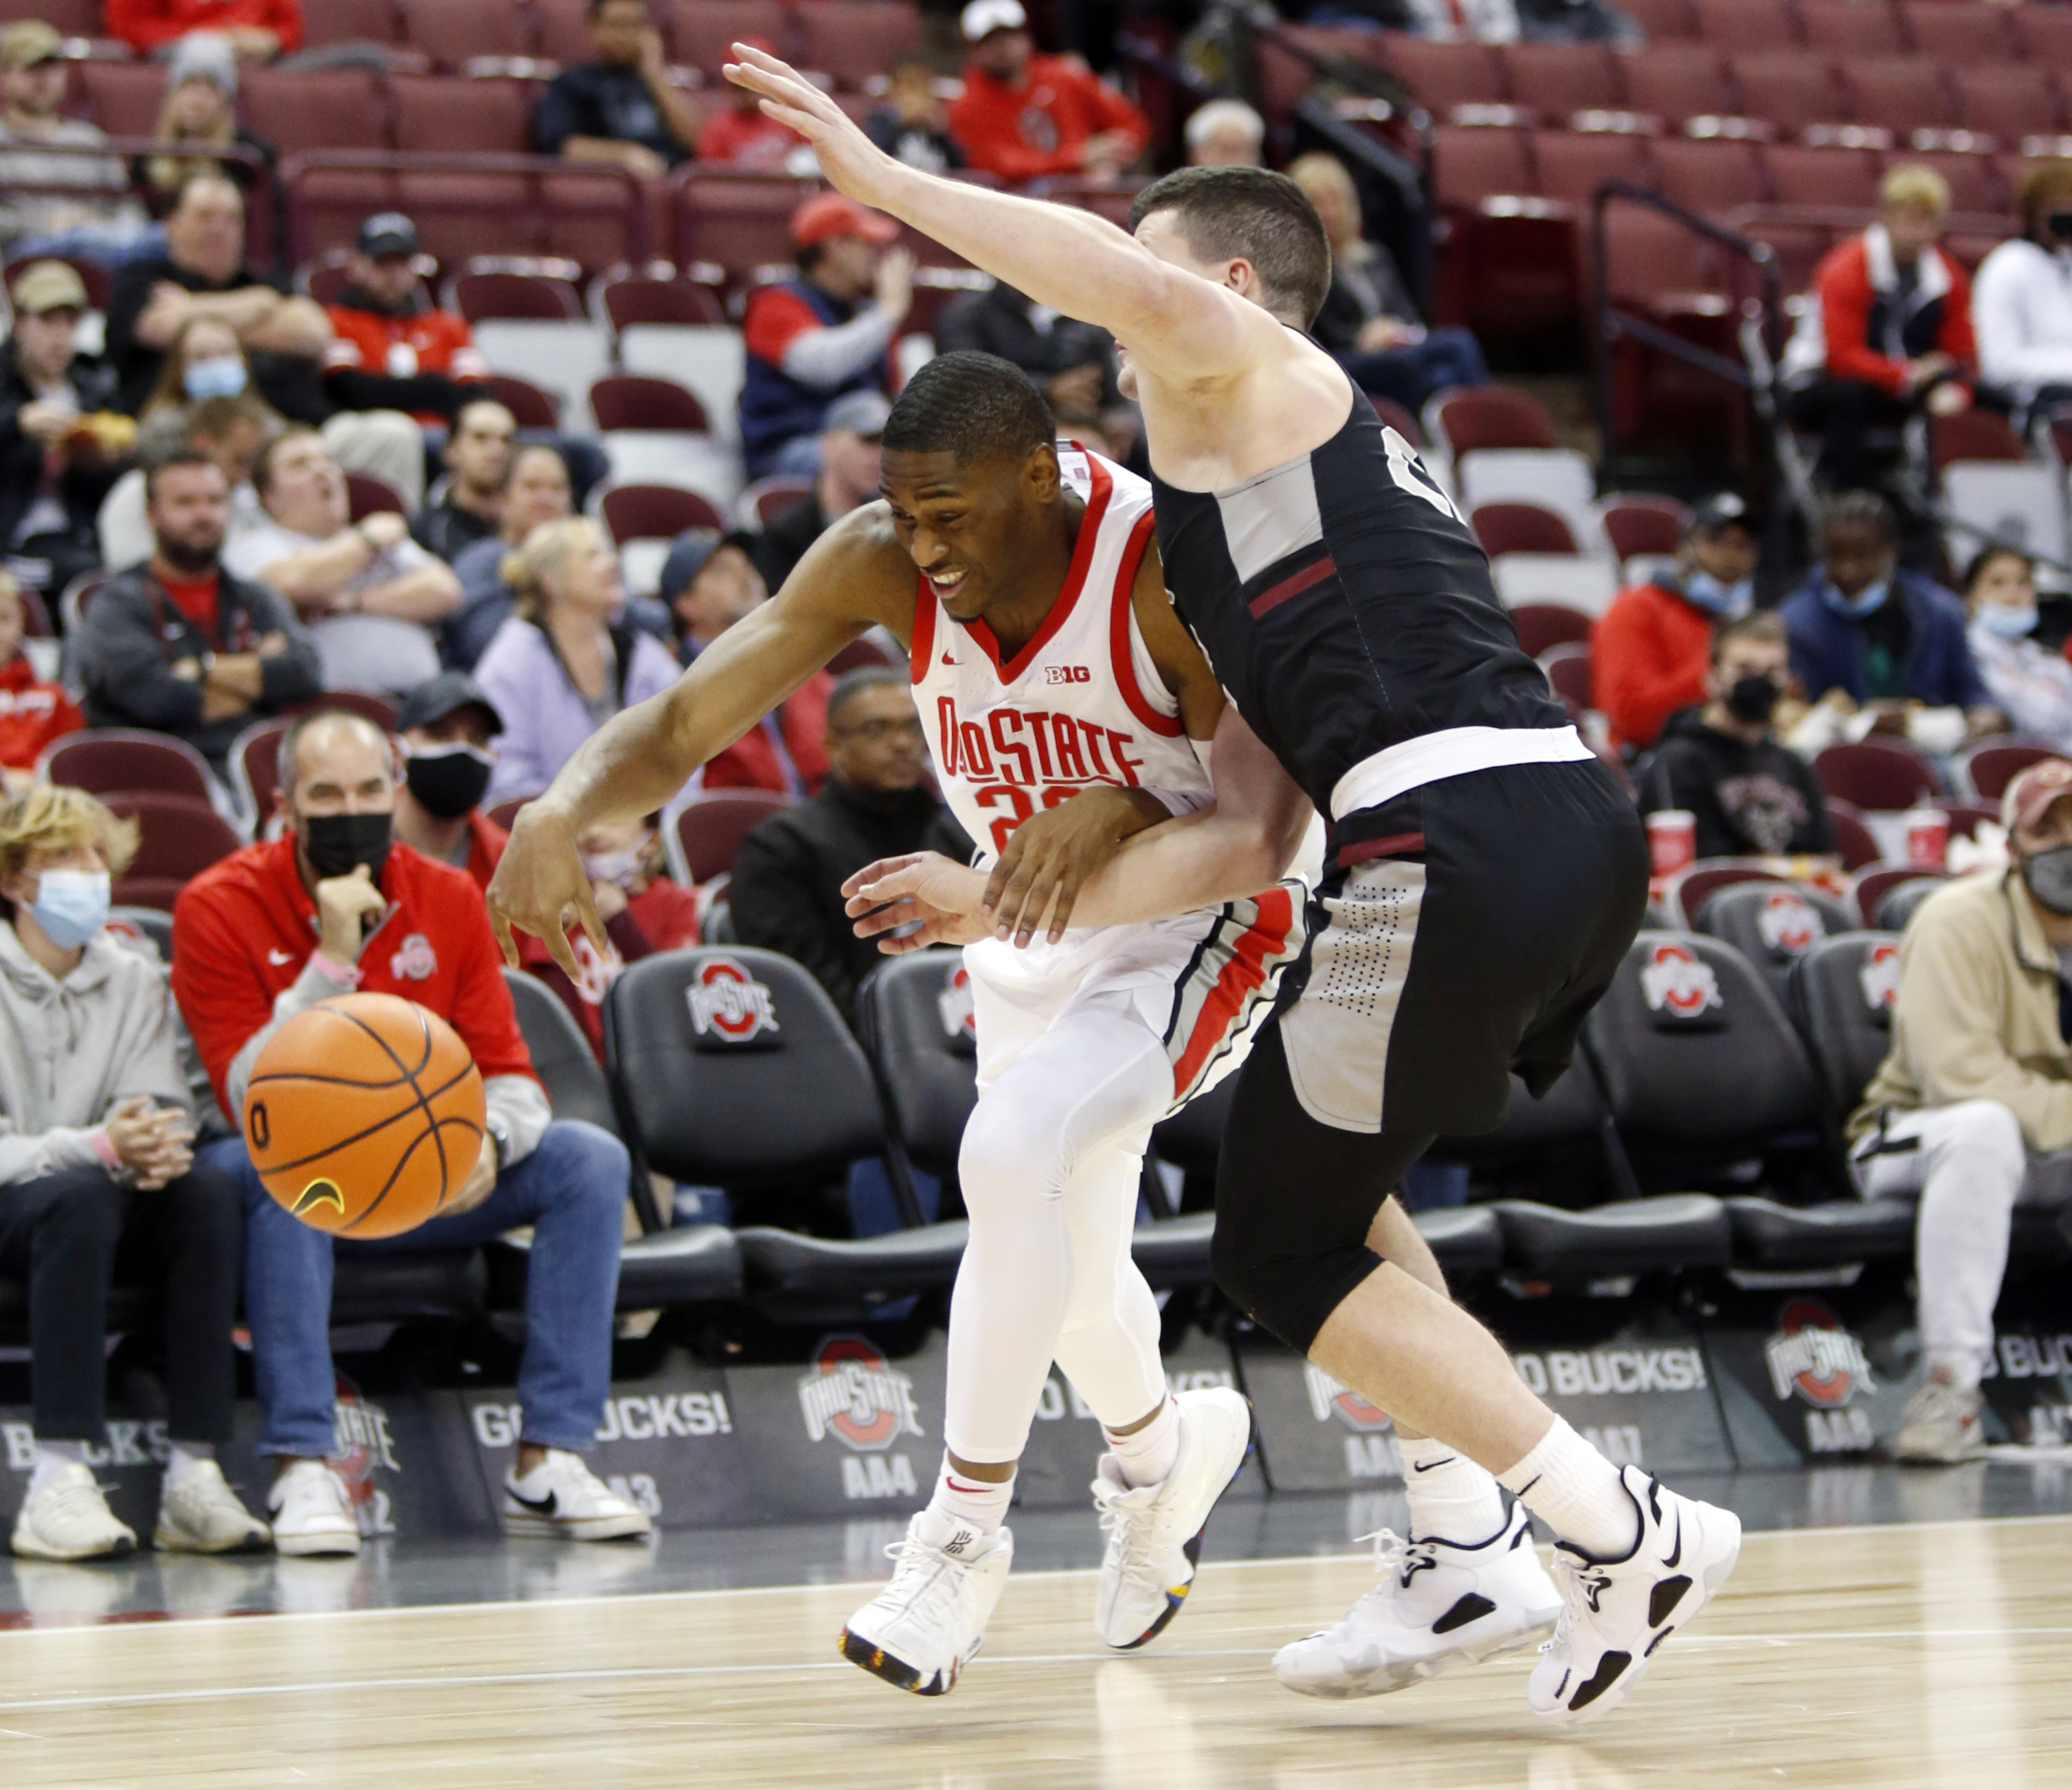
(1975, 1092)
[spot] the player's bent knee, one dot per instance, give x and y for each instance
(1005, 1161)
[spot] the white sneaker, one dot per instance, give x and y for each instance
(201, 1515)
(923, 1629)
(312, 1511)
(1940, 1426)
(1439, 1604)
(1615, 1613)
(564, 1497)
(70, 1520)
(1154, 1532)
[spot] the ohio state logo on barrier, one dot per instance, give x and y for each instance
(727, 1002)
(959, 1018)
(1879, 976)
(853, 1394)
(1676, 981)
(1790, 925)
(1329, 1397)
(1813, 1355)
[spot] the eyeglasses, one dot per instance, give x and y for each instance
(883, 730)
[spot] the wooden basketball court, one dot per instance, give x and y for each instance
(1930, 1654)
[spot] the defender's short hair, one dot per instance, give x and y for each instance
(974, 406)
(1254, 213)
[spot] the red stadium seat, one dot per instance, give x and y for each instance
(1470, 164)
(1393, 415)
(331, 203)
(1444, 75)
(1520, 528)
(447, 115)
(702, 33)
(739, 220)
(367, 496)
(2045, 34)
(709, 830)
(626, 299)
(455, 32)
(1800, 175)
(123, 97)
(314, 109)
(1541, 625)
(1792, 88)
(1489, 417)
(1662, 19)
(1557, 79)
(1854, 842)
(1573, 164)
(541, 296)
(1973, 434)
(1903, 93)
(349, 22)
(109, 760)
(70, 18)
(377, 708)
(1876, 774)
(634, 400)
(654, 512)
(1689, 887)
(564, 30)
(180, 836)
(1852, 28)
(1986, 770)
(854, 40)
(460, 216)
(2011, 100)
(1710, 176)
(1958, 31)
(1676, 81)
(255, 766)
(766, 496)
(1973, 182)
(1869, 887)
(1736, 25)
(1571, 673)
(533, 408)
(1638, 522)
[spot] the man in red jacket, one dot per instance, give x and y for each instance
(1022, 116)
(258, 30)
(1888, 330)
(335, 905)
(34, 711)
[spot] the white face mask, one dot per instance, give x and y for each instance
(613, 867)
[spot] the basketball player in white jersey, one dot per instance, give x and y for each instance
(1061, 699)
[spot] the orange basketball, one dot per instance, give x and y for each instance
(364, 1115)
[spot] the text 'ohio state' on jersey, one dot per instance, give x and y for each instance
(1080, 704)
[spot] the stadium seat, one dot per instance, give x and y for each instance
(1520, 528)
(445, 115)
(1773, 927)
(914, 1020)
(1676, 81)
(702, 32)
(2045, 35)
(562, 1057)
(480, 294)
(1472, 162)
(1868, 888)
(1570, 667)
(854, 40)
(1611, 1242)
(314, 109)
(1983, 771)
(563, 26)
(1840, 996)
(739, 220)
(1801, 174)
(1854, 842)
(1895, 906)
(709, 831)
(1573, 164)
(1641, 525)
(2009, 100)
(1464, 419)
(1902, 93)
(707, 358)
(254, 770)
(1577, 580)
(123, 97)
(653, 512)
(1974, 434)
(767, 497)
(1690, 888)
(108, 760)
(623, 300)
(641, 401)
(1852, 28)
(181, 835)
(367, 496)
(2022, 503)
(453, 33)
(1738, 25)
(1557, 79)
(1568, 1124)
(1954, 32)
(1876, 774)
(1541, 625)
(1710, 176)
(1444, 75)
(1792, 88)
(349, 22)
(1973, 182)
(1662, 19)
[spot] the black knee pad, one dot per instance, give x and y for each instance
(1289, 1285)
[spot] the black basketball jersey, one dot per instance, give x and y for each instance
(1345, 606)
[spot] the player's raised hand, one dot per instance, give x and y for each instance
(538, 880)
(936, 897)
(1050, 855)
(849, 159)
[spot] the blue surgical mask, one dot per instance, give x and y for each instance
(220, 376)
(1727, 602)
(71, 906)
(2009, 624)
(1866, 601)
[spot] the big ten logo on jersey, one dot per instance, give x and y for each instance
(852, 1395)
(361, 1442)
(1371, 1451)
(124, 1442)
(1810, 1357)
(1021, 759)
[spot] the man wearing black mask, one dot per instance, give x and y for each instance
(1751, 796)
(444, 730)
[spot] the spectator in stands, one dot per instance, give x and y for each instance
(1022, 116)
(181, 645)
(911, 124)
(1650, 651)
(536, 492)
(62, 446)
(621, 108)
(33, 710)
(2029, 683)
(1977, 1086)
(1226, 134)
(564, 663)
(228, 431)
(878, 802)
(847, 477)
(392, 347)
(1752, 796)
(818, 337)
(1874, 635)
(740, 135)
(445, 734)
(369, 595)
(102, 222)
(710, 583)
(1369, 320)
(337, 903)
(1073, 364)
(95, 1157)
(200, 106)
(469, 506)
(1888, 329)
(2021, 307)
(258, 30)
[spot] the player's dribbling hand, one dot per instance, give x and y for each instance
(342, 904)
(538, 880)
(935, 896)
(1050, 855)
(849, 158)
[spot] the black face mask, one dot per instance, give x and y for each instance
(1753, 699)
(448, 780)
(337, 844)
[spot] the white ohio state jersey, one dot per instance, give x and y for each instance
(1081, 705)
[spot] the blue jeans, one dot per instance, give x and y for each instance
(571, 1190)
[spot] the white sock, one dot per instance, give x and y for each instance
(1960, 1371)
(982, 1504)
(1149, 1454)
(185, 1458)
(50, 1457)
(1578, 1493)
(1451, 1498)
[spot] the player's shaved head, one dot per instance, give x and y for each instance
(977, 407)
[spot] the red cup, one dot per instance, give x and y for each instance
(1928, 838)
(1673, 841)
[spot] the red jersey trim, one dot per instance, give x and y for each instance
(1240, 978)
(923, 648)
(1293, 585)
(1068, 599)
(1118, 634)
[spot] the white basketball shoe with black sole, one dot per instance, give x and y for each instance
(923, 1629)
(1616, 1613)
(1154, 1532)
(1439, 1605)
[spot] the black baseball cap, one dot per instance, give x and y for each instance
(1723, 509)
(690, 551)
(437, 697)
(387, 233)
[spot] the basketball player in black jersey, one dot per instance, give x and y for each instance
(1484, 878)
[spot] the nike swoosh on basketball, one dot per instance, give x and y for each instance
(540, 1507)
(277, 956)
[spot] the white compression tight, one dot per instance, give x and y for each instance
(1050, 1170)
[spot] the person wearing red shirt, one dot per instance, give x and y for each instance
(337, 904)
(393, 349)
(1023, 116)
(1650, 651)
(33, 713)
(258, 30)
(738, 135)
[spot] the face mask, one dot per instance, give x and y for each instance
(337, 844)
(71, 906)
(1753, 699)
(221, 377)
(2061, 225)
(2009, 624)
(1728, 602)
(448, 780)
(2049, 875)
(1866, 601)
(613, 867)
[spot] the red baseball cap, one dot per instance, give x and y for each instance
(827, 216)
(2027, 798)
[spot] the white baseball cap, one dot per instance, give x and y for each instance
(982, 18)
